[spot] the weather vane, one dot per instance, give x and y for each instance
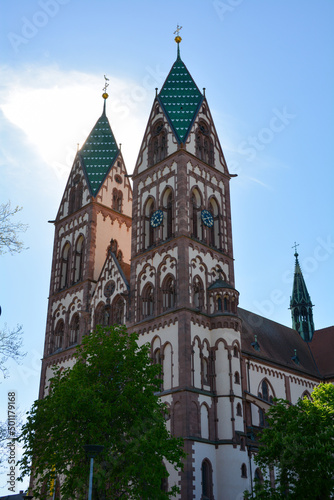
(178, 38)
(106, 85)
(177, 31)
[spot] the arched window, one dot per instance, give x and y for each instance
(204, 145)
(157, 360)
(236, 378)
(148, 229)
(65, 266)
(196, 203)
(239, 410)
(219, 303)
(214, 231)
(157, 357)
(147, 301)
(157, 149)
(307, 395)
(120, 256)
(74, 330)
(117, 199)
(265, 390)
(243, 470)
(235, 352)
(71, 201)
(58, 335)
(198, 293)
(167, 203)
(168, 293)
(118, 311)
(75, 196)
(207, 487)
(78, 260)
(204, 365)
(226, 303)
(78, 196)
(101, 315)
(164, 484)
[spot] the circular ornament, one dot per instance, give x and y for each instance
(109, 289)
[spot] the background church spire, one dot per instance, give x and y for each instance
(300, 304)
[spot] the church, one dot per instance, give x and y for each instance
(153, 250)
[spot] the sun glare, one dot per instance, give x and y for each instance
(57, 117)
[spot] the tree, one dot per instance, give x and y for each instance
(299, 444)
(10, 347)
(108, 398)
(10, 340)
(9, 230)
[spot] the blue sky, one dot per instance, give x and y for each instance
(268, 72)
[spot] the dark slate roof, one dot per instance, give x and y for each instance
(99, 153)
(180, 99)
(322, 348)
(16, 496)
(220, 284)
(300, 294)
(277, 343)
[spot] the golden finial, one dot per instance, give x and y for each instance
(106, 85)
(177, 32)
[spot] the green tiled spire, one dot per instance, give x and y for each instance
(180, 99)
(301, 305)
(99, 153)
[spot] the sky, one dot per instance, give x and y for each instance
(268, 72)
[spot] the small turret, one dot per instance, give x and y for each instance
(301, 305)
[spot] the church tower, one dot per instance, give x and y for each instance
(92, 227)
(183, 296)
(301, 305)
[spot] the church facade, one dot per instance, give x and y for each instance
(156, 254)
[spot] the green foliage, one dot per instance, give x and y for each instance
(299, 444)
(107, 398)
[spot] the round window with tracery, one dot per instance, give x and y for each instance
(109, 289)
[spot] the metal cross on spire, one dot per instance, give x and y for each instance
(295, 247)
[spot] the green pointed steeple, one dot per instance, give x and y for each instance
(301, 305)
(180, 98)
(99, 153)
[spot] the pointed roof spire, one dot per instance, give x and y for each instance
(301, 304)
(100, 150)
(180, 97)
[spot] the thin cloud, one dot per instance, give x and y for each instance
(57, 109)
